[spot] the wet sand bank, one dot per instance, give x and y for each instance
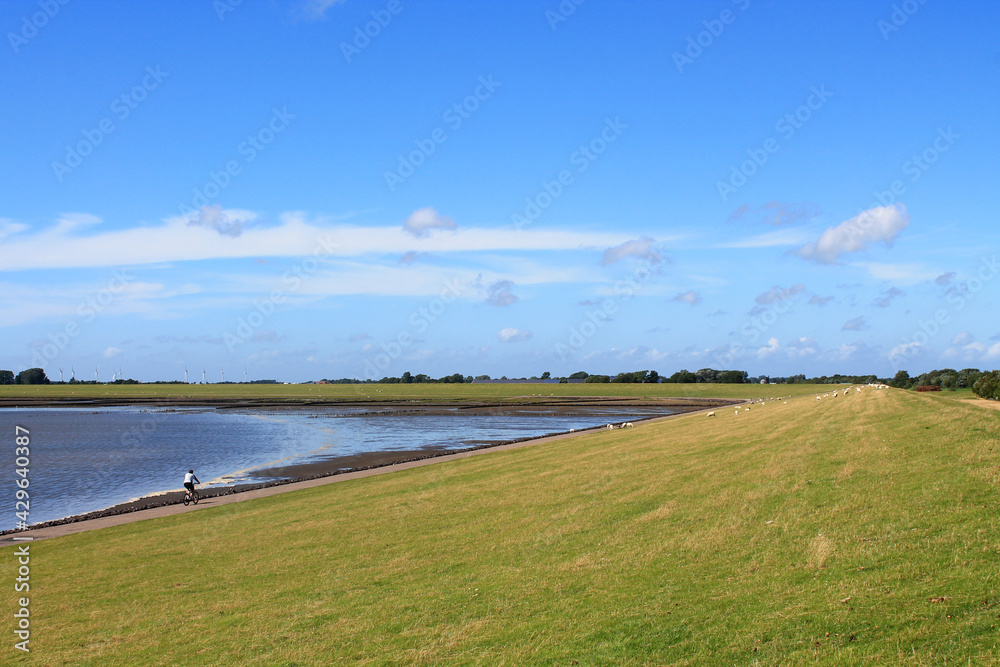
(352, 466)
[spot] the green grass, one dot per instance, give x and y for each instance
(462, 392)
(812, 532)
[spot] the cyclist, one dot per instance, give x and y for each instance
(189, 481)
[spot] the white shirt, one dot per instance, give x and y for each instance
(189, 477)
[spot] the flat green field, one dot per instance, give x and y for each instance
(372, 392)
(849, 531)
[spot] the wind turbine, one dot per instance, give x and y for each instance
(203, 376)
(96, 375)
(185, 374)
(73, 370)
(60, 376)
(244, 374)
(223, 375)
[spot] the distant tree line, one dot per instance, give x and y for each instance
(27, 376)
(945, 378)
(988, 385)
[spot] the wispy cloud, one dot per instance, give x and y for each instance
(690, 297)
(775, 213)
(820, 301)
(857, 324)
(641, 248)
(773, 239)
(778, 293)
(226, 223)
(315, 10)
(887, 297)
(413, 256)
(897, 273)
(500, 294)
(75, 243)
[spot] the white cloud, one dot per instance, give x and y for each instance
(422, 221)
(690, 297)
(111, 352)
(803, 347)
(772, 347)
(511, 335)
(904, 350)
(640, 248)
(882, 223)
(963, 338)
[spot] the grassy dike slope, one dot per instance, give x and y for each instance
(791, 534)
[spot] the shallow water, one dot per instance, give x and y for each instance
(82, 460)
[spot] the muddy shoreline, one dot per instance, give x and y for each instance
(525, 404)
(339, 465)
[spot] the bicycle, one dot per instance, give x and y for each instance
(191, 497)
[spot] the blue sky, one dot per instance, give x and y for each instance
(500, 188)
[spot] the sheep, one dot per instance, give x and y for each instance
(611, 427)
(629, 424)
(737, 412)
(711, 414)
